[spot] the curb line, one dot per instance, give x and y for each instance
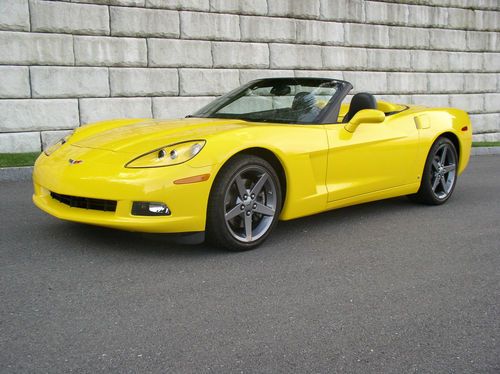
(24, 173)
(479, 151)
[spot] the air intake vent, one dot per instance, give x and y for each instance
(85, 202)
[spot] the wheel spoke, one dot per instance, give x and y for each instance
(260, 183)
(242, 191)
(436, 183)
(236, 211)
(449, 168)
(443, 183)
(249, 204)
(435, 164)
(443, 155)
(263, 209)
(248, 227)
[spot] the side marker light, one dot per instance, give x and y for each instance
(195, 179)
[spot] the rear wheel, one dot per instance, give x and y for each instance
(440, 173)
(244, 204)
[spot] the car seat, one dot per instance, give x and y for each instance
(360, 101)
(303, 100)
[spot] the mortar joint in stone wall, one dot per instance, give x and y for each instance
(79, 113)
(29, 81)
(109, 21)
(30, 17)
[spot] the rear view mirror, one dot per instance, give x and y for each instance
(365, 116)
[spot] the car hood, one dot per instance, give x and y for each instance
(146, 136)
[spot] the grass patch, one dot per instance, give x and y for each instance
(18, 159)
(486, 144)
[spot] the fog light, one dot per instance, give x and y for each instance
(145, 208)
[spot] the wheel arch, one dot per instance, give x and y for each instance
(454, 139)
(270, 157)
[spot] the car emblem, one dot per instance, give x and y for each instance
(74, 162)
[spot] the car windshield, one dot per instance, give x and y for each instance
(286, 100)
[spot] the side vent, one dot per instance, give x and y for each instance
(422, 122)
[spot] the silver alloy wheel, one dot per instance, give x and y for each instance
(250, 203)
(443, 171)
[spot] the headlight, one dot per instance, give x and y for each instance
(170, 155)
(54, 147)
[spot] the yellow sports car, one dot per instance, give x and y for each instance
(278, 148)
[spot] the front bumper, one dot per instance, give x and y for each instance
(102, 176)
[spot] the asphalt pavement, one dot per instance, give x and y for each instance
(385, 287)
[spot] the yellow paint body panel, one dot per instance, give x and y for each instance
(325, 167)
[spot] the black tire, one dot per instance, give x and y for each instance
(440, 174)
(234, 189)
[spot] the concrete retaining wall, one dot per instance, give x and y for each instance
(67, 63)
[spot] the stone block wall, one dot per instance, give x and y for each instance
(67, 63)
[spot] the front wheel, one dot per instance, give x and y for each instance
(440, 173)
(244, 204)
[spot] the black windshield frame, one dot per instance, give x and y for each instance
(329, 114)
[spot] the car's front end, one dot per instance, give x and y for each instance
(122, 178)
(92, 187)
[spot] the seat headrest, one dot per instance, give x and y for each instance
(360, 101)
(303, 100)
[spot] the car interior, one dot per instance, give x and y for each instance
(360, 101)
(298, 102)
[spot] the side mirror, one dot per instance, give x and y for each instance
(365, 116)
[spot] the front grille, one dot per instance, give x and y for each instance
(85, 202)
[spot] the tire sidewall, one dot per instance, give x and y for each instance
(426, 188)
(217, 230)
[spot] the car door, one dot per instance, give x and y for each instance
(375, 157)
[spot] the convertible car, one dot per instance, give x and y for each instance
(279, 148)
